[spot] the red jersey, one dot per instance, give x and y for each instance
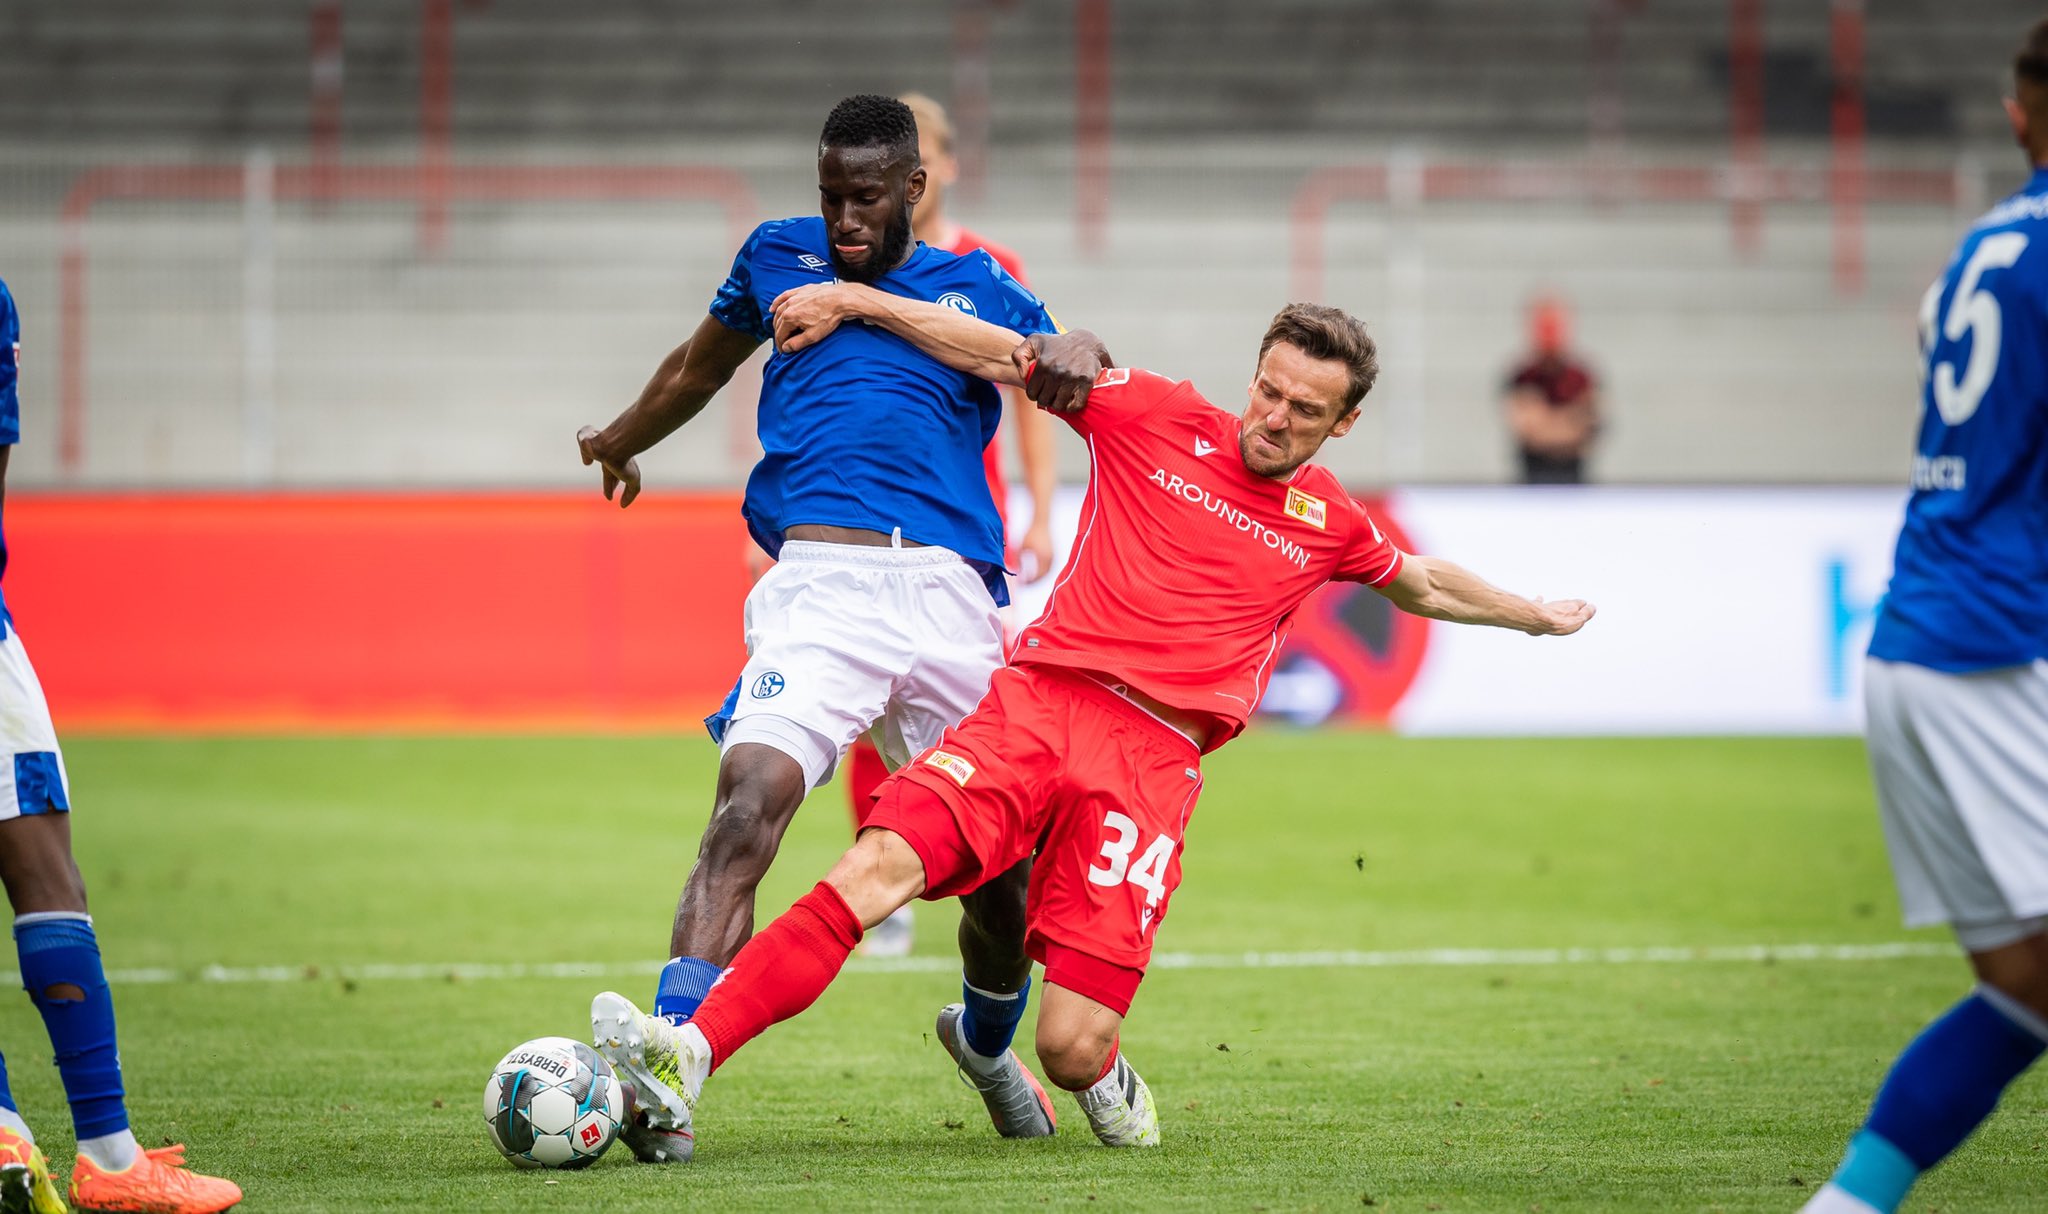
(965, 242)
(1556, 378)
(1189, 567)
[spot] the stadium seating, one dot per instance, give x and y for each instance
(474, 364)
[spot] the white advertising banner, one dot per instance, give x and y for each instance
(1727, 610)
(1721, 611)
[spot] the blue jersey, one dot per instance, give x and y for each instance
(1969, 584)
(864, 429)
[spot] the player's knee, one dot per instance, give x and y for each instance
(1074, 1058)
(879, 873)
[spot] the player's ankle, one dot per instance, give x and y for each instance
(116, 1152)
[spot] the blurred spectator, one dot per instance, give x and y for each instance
(1553, 401)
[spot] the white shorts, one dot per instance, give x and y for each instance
(31, 766)
(843, 640)
(1961, 765)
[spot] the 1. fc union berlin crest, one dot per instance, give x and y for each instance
(1352, 654)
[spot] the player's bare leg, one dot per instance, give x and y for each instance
(36, 865)
(759, 790)
(977, 1033)
(2019, 970)
(862, 771)
(1079, 1049)
(60, 965)
(992, 933)
(778, 974)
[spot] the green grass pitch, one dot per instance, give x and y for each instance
(1701, 1085)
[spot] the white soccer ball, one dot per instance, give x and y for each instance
(553, 1103)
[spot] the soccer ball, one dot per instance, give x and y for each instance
(553, 1103)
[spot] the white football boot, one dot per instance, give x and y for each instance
(1016, 1102)
(665, 1067)
(1120, 1110)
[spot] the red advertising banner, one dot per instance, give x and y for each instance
(361, 611)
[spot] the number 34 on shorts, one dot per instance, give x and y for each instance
(1148, 873)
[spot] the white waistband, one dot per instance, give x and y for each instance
(815, 552)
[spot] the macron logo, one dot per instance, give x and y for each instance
(1204, 447)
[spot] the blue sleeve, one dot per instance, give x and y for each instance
(735, 306)
(1016, 307)
(10, 370)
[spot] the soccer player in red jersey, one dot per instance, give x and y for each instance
(1201, 535)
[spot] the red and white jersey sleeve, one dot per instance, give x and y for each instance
(1188, 567)
(1372, 557)
(1121, 396)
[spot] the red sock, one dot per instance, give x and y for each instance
(1109, 1063)
(780, 972)
(864, 770)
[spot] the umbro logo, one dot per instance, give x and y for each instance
(811, 261)
(1204, 447)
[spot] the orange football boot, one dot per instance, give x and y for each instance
(156, 1183)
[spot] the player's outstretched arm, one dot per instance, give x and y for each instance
(1055, 370)
(806, 315)
(1434, 587)
(680, 388)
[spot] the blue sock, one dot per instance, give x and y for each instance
(991, 1020)
(59, 949)
(6, 1090)
(1942, 1088)
(684, 983)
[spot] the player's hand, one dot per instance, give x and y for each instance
(616, 472)
(1034, 552)
(806, 315)
(1059, 369)
(1560, 619)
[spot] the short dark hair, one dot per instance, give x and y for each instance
(870, 120)
(2030, 66)
(1332, 333)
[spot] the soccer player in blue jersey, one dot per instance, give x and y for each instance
(60, 955)
(1957, 681)
(880, 615)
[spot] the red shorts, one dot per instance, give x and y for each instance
(1056, 765)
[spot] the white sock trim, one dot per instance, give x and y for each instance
(11, 1119)
(52, 917)
(1012, 997)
